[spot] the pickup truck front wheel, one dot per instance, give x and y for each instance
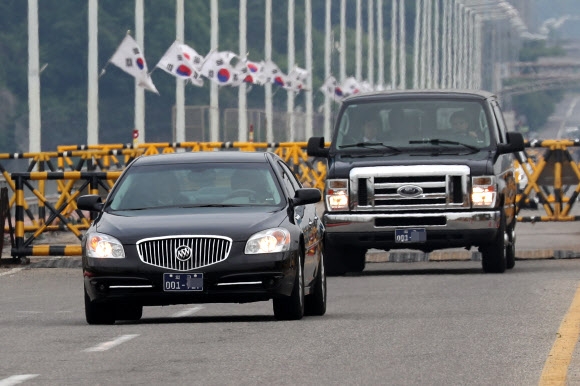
(493, 255)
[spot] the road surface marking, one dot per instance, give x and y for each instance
(556, 366)
(12, 271)
(112, 343)
(16, 379)
(186, 312)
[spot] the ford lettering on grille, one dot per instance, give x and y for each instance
(410, 191)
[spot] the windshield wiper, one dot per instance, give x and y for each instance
(370, 145)
(437, 141)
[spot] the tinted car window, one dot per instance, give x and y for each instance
(197, 184)
(399, 122)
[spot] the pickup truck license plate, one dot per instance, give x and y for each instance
(182, 282)
(412, 235)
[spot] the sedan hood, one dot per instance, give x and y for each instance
(236, 223)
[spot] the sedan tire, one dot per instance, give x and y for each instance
(315, 303)
(292, 307)
(98, 313)
(129, 312)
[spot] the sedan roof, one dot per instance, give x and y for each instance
(203, 156)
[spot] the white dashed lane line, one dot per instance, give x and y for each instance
(112, 343)
(186, 312)
(16, 379)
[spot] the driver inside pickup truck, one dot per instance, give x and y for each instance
(460, 125)
(370, 131)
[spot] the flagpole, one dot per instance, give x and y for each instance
(267, 58)
(139, 91)
(179, 83)
(327, 65)
(214, 90)
(371, 44)
(291, 48)
(242, 102)
(308, 56)
(93, 76)
(34, 128)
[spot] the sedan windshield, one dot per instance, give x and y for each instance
(410, 123)
(196, 185)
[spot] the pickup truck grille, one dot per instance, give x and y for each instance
(410, 187)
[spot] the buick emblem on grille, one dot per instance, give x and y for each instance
(409, 191)
(183, 252)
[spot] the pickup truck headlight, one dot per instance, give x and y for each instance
(101, 246)
(483, 191)
(337, 194)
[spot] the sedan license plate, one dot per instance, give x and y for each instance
(183, 282)
(413, 235)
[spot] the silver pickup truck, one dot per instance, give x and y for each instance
(419, 169)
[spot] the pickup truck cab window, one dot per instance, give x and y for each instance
(412, 123)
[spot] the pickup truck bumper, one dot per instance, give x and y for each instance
(443, 230)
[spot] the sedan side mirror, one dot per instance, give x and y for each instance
(91, 202)
(306, 196)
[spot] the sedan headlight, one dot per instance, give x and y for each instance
(103, 246)
(484, 191)
(268, 241)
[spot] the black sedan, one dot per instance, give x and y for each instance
(204, 227)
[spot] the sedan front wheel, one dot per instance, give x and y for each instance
(292, 307)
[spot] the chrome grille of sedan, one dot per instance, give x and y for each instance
(184, 253)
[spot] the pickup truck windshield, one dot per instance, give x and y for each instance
(408, 124)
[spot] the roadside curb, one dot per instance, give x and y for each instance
(413, 256)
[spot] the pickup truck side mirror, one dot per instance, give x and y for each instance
(515, 143)
(316, 148)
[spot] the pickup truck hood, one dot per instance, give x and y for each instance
(480, 163)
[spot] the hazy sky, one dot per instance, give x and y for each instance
(546, 9)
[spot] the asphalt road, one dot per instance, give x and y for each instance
(435, 323)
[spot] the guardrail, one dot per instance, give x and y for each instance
(553, 177)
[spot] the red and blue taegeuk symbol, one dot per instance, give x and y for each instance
(223, 75)
(252, 67)
(249, 79)
(183, 70)
(140, 63)
(338, 91)
(279, 81)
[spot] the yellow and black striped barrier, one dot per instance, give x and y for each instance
(552, 172)
(553, 177)
(23, 246)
